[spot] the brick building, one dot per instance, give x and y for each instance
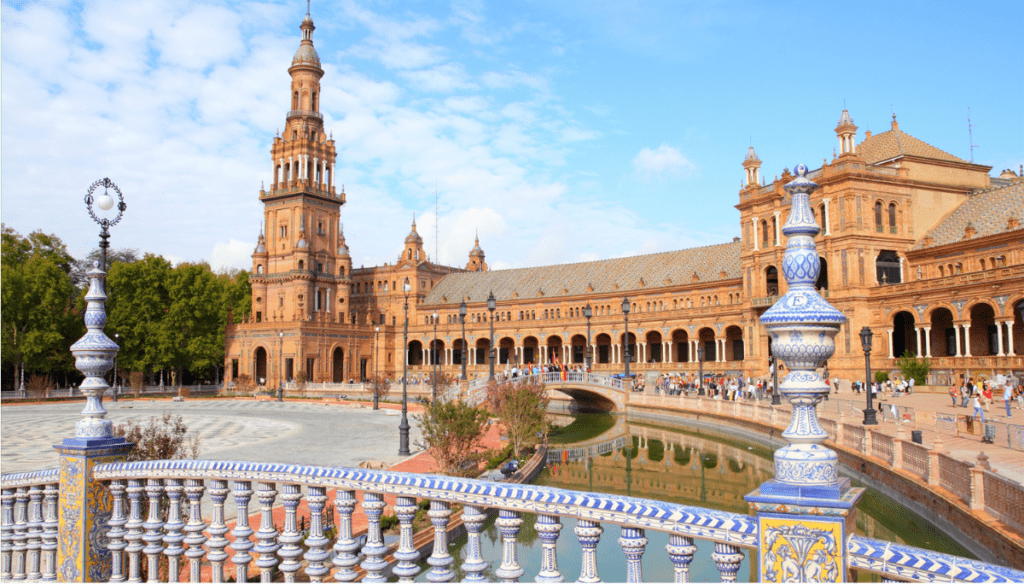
(919, 245)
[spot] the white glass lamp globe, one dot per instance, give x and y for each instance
(105, 202)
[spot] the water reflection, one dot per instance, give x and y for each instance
(687, 463)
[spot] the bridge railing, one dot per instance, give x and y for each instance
(157, 519)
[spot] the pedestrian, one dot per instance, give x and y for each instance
(964, 394)
(977, 409)
(1007, 397)
(952, 393)
(913, 382)
(986, 395)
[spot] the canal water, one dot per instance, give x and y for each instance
(687, 463)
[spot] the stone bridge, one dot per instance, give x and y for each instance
(590, 390)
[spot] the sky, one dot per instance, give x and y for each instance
(558, 131)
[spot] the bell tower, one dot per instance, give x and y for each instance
(297, 274)
(847, 132)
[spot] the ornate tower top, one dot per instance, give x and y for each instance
(413, 251)
(752, 164)
(847, 132)
(476, 258)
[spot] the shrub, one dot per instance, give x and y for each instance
(452, 430)
(37, 385)
(244, 384)
(881, 376)
(522, 409)
(162, 438)
(915, 368)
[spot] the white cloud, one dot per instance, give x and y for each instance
(233, 254)
(441, 79)
(665, 161)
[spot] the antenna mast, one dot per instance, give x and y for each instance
(437, 220)
(970, 134)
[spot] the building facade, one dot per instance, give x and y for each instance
(922, 247)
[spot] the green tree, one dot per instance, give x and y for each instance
(238, 292)
(41, 307)
(915, 368)
(137, 310)
(193, 328)
(522, 408)
(80, 267)
(452, 430)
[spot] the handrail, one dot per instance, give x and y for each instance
(27, 479)
(915, 564)
(672, 518)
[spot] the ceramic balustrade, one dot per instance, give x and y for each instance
(915, 459)
(881, 446)
(1004, 499)
(955, 476)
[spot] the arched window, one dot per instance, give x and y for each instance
(300, 264)
(259, 268)
(878, 216)
(312, 101)
(942, 271)
(983, 264)
(764, 233)
(295, 101)
(775, 237)
(887, 268)
(892, 217)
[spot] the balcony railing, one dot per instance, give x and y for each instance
(311, 113)
(764, 301)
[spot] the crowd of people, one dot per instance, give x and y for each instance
(980, 395)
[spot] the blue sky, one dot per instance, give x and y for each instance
(561, 131)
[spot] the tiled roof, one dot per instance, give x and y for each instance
(895, 143)
(657, 270)
(987, 211)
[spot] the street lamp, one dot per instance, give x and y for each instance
(588, 312)
(403, 427)
(491, 304)
(433, 357)
(280, 386)
(117, 339)
(105, 202)
(865, 340)
(700, 368)
(625, 340)
(462, 319)
(376, 376)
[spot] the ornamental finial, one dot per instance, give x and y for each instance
(94, 356)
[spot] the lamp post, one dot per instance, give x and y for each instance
(462, 319)
(491, 304)
(625, 339)
(433, 357)
(376, 376)
(700, 369)
(280, 350)
(403, 427)
(105, 202)
(588, 312)
(865, 340)
(117, 339)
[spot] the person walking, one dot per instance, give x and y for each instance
(952, 393)
(978, 413)
(1007, 397)
(986, 395)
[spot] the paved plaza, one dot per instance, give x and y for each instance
(249, 430)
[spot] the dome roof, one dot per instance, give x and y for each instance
(306, 55)
(413, 237)
(476, 249)
(301, 244)
(845, 119)
(751, 155)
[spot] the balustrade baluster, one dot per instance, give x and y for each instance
(727, 557)
(51, 495)
(680, 550)
(194, 537)
(473, 564)
(116, 533)
(589, 533)
(266, 537)
(345, 548)
(154, 527)
(217, 542)
(440, 560)
(134, 527)
(242, 544)
(34, 543)
(509, 523)
(406, 554)
(290, 537)
(317, 543)
(548, 527)
(174, 535)
(633, 544)
(7, 536)
(374, 564)
(20, 533)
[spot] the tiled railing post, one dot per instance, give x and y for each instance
(34, 544)
(134, 530)
(346, 547)
(317, 554)
(680, 550)
(897, 448)
(7, 536)
(217, 542)
(508, 523)
(374, 550)
(977, 501)
(83, 503)
(440, 560)
(115, 537)
(589, 534)
(473, 565)
(727, 558)
(175, 535)
(290, 537)
(633, 545)
(933, 462)
(266, 536)
(406, 554)
(548, 528)
(242, 531)
(194, 537)
(51, 495)
(154, 527)
(20, 533)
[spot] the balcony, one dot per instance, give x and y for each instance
(764, 302)
(310, 113)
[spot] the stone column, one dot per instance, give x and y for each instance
(828, 231)
(928, 341)
(967, 340)
(890, 348)
(917, 341)
(1009, 339)
(778, 227)
(956, 331)
(753, 220)
(999, 340)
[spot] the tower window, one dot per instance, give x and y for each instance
(284, 231)
(892, 217)
(878, 216)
